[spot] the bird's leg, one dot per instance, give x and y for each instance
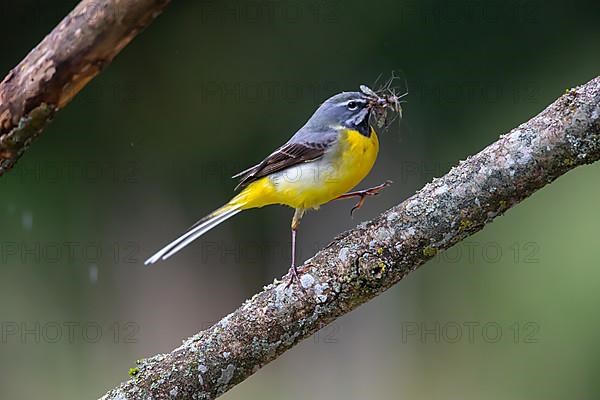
(293, 270)
(363, 194)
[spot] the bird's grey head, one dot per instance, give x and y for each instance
(348, 109)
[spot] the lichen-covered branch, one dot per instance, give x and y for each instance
(362, 263)
(84, 43)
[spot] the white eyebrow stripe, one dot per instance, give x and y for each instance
(355, 101)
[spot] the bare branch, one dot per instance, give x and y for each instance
(83, 44)
(362, 263)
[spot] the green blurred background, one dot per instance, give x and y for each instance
(212, 87)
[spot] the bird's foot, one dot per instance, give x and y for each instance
(294, 276)
(363, 194)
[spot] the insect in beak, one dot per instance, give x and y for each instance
(381, 103)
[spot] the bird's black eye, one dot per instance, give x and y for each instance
(352, 105)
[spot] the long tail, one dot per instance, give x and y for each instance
(196, 230)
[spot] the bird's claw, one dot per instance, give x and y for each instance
(368, 192)
(293, 273)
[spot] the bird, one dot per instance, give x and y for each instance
(325, 159)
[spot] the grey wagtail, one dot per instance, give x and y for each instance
(325, 159)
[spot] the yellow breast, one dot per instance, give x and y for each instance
(312, 184)
(357, 157)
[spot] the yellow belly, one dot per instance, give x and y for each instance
(309, 185)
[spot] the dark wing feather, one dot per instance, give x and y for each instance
(288, 155)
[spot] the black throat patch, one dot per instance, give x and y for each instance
(361, 123)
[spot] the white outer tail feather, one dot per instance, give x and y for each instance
(194, 233)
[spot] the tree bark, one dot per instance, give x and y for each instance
(81, 46)
(362, 263)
